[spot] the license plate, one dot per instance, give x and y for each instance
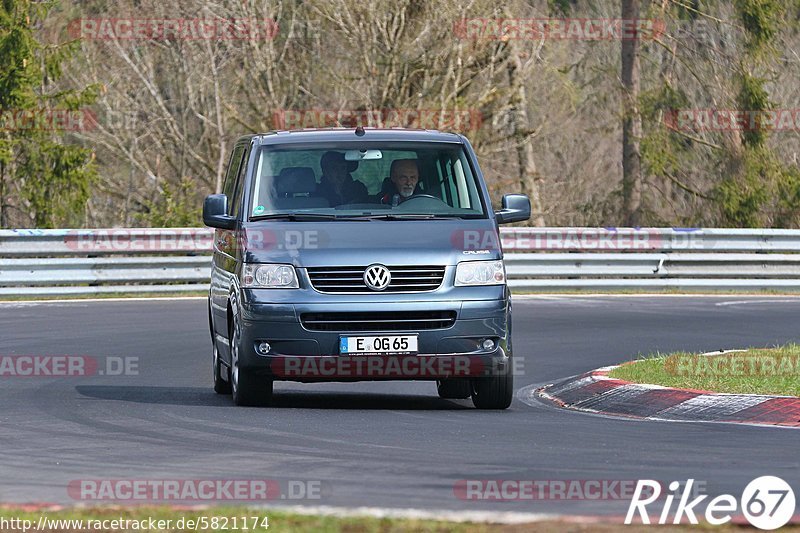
(378, 345)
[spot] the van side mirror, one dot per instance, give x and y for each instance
(215, 212)
(516, 208)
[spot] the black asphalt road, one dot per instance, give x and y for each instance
(391, 445)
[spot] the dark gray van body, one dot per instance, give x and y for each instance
(259, 335)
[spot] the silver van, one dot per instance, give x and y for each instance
(366, 254)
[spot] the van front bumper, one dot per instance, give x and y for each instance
(297, 352)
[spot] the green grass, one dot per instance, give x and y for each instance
(280, 521)
(756, 371)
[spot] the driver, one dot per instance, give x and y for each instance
(403, 182)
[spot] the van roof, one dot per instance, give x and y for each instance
(349, 134)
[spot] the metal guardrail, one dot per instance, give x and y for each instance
(86, 262)
(99, 242)
(639, 240)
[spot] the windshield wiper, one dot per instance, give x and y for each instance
(407, 216)
(303, 217)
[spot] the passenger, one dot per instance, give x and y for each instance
(403, 182)
(336, 184)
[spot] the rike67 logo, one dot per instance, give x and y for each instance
(767, 503)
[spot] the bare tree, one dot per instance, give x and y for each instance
(631, 121)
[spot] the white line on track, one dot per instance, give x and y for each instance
(491, 517)
(748, 302)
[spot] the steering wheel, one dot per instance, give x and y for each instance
(421, 196)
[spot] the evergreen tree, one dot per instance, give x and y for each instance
(44, 180)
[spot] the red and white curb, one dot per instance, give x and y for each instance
(596, 392)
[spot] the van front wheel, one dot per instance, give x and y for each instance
(494, 392)
(247, 387)
(221, 386)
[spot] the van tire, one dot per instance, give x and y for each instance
(454, 388)
(221, 386)
(494, 392)
(252, 390)
(247, 388)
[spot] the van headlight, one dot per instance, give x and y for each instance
(256, 276)
(480, 273)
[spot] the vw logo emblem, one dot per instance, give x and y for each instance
(377, 277)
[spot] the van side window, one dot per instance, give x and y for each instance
(229, 186)
(234, 205)
(457, 189)
(448, 189)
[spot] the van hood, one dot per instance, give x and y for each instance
(357, 243)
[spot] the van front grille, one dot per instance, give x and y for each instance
(351, 279)
(379, 321)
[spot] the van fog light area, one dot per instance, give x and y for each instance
(264, 348)
(488, 345)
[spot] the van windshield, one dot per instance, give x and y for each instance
(365, 180)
